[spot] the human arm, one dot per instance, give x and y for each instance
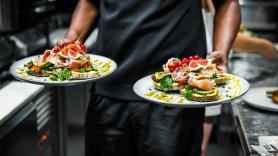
(245, 43)
(85, 14)
(226, 25)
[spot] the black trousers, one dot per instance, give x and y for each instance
(127, 128)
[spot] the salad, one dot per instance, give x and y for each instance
(66, 62)
(195, 78)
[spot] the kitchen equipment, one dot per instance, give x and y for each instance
(28, 42)
(19, 72)
(28, 121)
(144, 88)
(6, 53)
(257, 97)
(8, 15)
(259, 14)
(20, 14)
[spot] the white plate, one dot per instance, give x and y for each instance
(19, 72)
(257, 97)
(235, 88)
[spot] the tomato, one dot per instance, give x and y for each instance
(56, 49)
(185, 61)
(181, 82)
(174, 66)
(171, 67)
(83, 47)
(46, 54)
(37, 69)
(190, 58)
(197, 57)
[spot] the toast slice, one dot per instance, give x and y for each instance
(203, 96)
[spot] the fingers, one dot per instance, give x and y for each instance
(62, 41)
(220, 59)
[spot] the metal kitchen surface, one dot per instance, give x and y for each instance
(252, 122)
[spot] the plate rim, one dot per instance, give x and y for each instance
(196, 105)
(61, 83)
(260, 106)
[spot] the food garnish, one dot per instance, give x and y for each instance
(195, 78)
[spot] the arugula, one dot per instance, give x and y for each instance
(63, 74)
(66, 73)
(47, 67)
(189, 91)
(166, 82)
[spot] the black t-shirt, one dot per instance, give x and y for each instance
(141, 35)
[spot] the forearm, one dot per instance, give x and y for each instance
(244, 43)
(84, 15)
(227, 22)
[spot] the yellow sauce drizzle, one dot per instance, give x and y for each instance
(20, 73)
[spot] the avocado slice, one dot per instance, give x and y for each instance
(203, 92)
(158, 76)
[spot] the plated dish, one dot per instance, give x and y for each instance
(63, 65)
(190, 82)
(262, 98)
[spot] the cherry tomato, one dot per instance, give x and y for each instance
(196, 57)
(46, 54)
(190, 58)
(181, 82)
(83, 47)
(174, 66)
(185, 61)
(56, 49)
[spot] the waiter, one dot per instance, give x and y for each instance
(140, 35)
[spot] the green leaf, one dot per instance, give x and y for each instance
(81, 70)
(188, 87)
(166, 82)
(59, 72)
(89, 68)
(53, 78)
(188, 94)
(214, 76)
(48, 66)
(29, 65)
(66, 73)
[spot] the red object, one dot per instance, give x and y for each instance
(174, 66)
(44, 137)
(190, 58)
(56, 49)
(193, 64)
(181, 82)
(185, 61)
(37, 69)
(46, 54)
(197, 57)
(83, 47)
(203, 62)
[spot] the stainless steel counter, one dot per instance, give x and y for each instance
(252, 122)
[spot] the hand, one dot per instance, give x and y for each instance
(221, 60)
(71, 36)
(268, 50)
(62, 41)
